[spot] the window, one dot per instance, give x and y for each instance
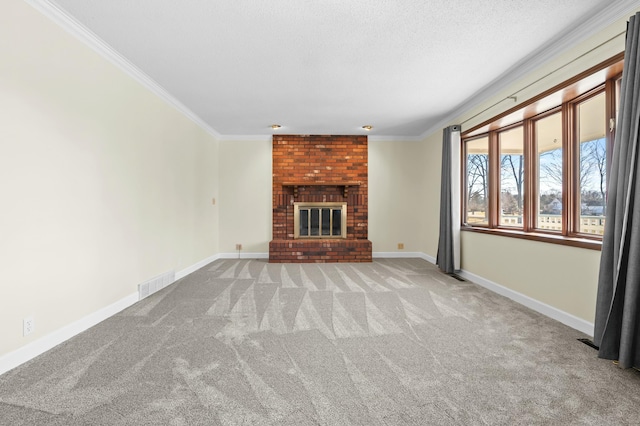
(591, 138)
(511, 176)
(539, 171)
(477, 183)
(548, 149)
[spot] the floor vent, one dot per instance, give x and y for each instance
(146, 289)
(457, 277)
(588, 343)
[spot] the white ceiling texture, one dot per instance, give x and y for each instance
(330, 66)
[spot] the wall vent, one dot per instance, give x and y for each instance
(589, 343)
(147, 288)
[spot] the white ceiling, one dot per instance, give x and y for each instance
(331, 66)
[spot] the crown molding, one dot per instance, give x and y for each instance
(373, 138)
(569, 38)
(602, 18)
(245, 138)
(386, 138)
(82, 33)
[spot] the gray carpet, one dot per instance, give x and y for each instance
(393, 342)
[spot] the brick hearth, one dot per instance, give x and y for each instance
(319, 169)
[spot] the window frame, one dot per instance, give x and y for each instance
(534, 164)
(571, 97)
(575, 219)
(498, 150)
(465, 182)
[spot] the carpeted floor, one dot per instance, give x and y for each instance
(393, 342)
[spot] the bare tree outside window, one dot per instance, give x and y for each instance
(545, 162)
(511, 177)
(548, 134)
(593, 175)
(478, 186)
(512, 168)
(477, 181)
(593, 164)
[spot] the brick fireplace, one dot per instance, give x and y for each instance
(320, 170)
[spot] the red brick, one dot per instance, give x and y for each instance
(320, 158)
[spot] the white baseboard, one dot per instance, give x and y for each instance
(244, 255)
(554, 313)
(43, 344)
(396, 254)
(428, 258)
(379, 255)
(186, 271)
(547, 310)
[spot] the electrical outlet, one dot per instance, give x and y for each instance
(28, 326)
(400, 246)
(238, 246)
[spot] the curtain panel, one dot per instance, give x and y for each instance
(448, 258)
(617, 321)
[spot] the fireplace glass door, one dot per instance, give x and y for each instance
(320, 220)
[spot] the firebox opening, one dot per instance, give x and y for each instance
(320, 220)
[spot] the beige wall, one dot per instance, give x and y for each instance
(562, 277)
(245, 196)
(401, 181)
(399, 173)
(103, 184)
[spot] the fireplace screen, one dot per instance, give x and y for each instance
(320, 220)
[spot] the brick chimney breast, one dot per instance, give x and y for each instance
(320, 168)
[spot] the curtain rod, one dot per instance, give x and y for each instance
(513, 95)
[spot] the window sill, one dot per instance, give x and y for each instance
(538, 236)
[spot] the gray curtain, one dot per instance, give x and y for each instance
(617, 322)
(449, 206)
